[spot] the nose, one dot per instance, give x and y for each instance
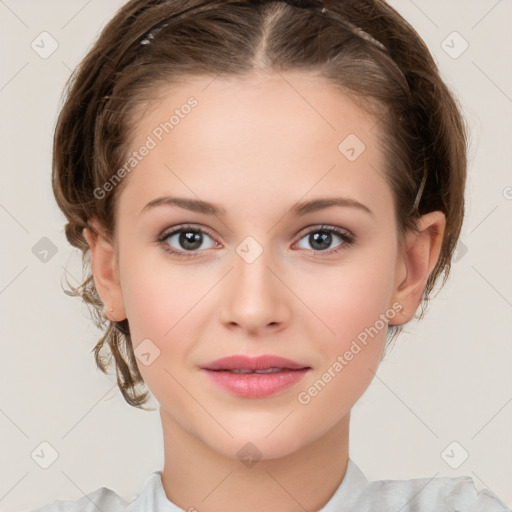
(255, 298)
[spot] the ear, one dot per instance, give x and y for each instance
(105, 271)
(415, 265)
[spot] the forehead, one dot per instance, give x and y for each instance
(290, 133)
(284, 103)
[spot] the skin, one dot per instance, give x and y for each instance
(256, 147)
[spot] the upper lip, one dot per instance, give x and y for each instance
(253, 363)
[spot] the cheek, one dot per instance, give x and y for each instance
(350, 297)
(350, 355)
(157, 293)
(164, 303)
(146, 306)
(160, 305)
(354, 308)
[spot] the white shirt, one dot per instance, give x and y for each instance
(354, 494)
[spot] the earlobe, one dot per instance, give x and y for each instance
(418, 261)
(105, 271)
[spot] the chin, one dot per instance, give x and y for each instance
(264, 440)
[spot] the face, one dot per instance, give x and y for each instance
(260, 276)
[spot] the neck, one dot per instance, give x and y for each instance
(197, 478)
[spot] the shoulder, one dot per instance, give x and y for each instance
(150, 497)
(442, 494)
(450, 494)
(102, 499)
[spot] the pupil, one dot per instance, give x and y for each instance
(190, 240)
(324, 238)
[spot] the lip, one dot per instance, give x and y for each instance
(255, 385)
(253, 363)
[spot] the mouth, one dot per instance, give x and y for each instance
(244, 371)
(261, 364)
(255, 377)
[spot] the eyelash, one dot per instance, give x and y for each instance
(347, 239)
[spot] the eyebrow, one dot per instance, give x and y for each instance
(299, 209)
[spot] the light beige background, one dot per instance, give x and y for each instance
(448, 380)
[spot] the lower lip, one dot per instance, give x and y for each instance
(256, 385)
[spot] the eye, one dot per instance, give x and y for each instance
(321, 237)
(187, 239)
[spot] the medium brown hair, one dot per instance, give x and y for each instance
(364, 47)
